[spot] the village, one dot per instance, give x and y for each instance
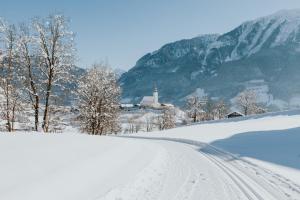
(151, 115)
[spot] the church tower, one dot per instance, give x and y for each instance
(155, 95)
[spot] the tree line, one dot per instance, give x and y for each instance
(205, 109)
(35, 57)
(38, 56)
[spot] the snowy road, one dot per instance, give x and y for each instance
(192, 170)
(178, 164)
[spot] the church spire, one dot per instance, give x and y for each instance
(155, 94)
(155, 87)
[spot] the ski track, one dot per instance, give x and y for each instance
(191, 170)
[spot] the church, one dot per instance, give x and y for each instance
(148, 102)
(151, 101)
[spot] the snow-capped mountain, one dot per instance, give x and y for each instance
(263, 54)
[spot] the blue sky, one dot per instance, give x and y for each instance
(121, 31)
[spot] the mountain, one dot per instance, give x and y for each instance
(262, 54)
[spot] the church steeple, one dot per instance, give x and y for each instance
(155, 94)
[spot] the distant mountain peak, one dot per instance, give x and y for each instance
(285, 14)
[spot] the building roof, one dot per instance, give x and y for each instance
(235, 113)
(167, 104)
(127, 105)
(147, 100)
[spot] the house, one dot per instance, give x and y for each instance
(129, 107)
(234, 114)
(167, 105)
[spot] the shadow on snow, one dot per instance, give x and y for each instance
(281, 147)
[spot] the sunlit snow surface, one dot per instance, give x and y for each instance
(247, 158)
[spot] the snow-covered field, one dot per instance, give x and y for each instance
(257, 158)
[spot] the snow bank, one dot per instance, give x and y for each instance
(39, 166)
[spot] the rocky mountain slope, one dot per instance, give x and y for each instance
(263, 55)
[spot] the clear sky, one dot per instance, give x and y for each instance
(121, 31)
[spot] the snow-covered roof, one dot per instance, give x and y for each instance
(127, 105)
(147, 100)
(235, 112)
(167, 104)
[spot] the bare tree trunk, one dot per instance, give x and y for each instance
(36, 97)
(13, 117)
(101, 130)
(26, 50)
(246, 111)
(45, 125)
(7, 109)
(8, 84)
(36, 113)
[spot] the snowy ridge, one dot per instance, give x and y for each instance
(252, 34)
(286, 21)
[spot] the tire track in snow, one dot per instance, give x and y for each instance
(247, 190)
(242, 166)
(238, 173)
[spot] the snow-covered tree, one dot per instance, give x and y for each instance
(159, 123)
(247, 102)
(194, 108)
(168, 119)
(149, 124)
(221, 109)
(56, 55)
(28, 55)
(209, 109)
(130, 125)
(134, 124)
(99, 96)
(8, 77)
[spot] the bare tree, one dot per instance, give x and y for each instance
(149, 124)
(260, 110)
(99, 101)
(133, 123)
(30, 71)
(168, 119)
(138, 126)
(9, 79)
(194, 108)
(247, 102)
(209, 109)
(56, 53)
(221, 109)
(158, 122)
(130, 125)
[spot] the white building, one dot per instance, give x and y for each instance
(151, 101)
